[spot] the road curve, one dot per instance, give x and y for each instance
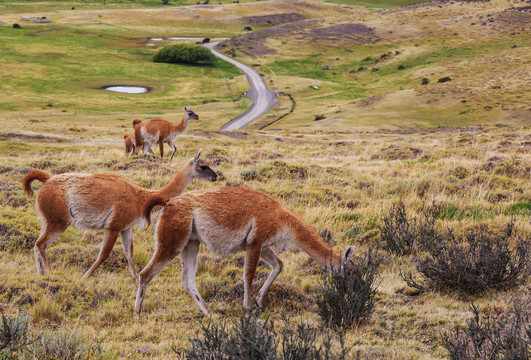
(262, 98)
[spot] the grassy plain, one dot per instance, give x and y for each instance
(377, 145)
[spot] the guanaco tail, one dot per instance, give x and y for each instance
(97, 201)
(228, 220)
(159, 131)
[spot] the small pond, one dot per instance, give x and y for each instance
(127, 89)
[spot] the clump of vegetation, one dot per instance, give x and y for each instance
(403, 235)
(481, 261)
(346, 297)
(18, 341)
(63, 345)
(184, 54)
(18, 230)
(282, 170)
(507, 336)
(250, 174)
(14, 334)
(250, 337)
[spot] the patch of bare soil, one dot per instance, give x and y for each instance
(271, 19)
(450, 129)
(515, 18)
(252, 44)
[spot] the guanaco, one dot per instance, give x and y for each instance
(151, 132)
(129, 140)
(98, 201)
(228, 220)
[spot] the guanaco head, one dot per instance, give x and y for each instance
(201, 169)
(346, 261)
(189, 114)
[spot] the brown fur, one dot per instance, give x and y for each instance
(160, 131)
(228, 220)
(100, 201)
(28, 179)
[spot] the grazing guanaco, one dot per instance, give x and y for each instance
(151, 132)
(97, 201)
(129, 139)
(228, 220)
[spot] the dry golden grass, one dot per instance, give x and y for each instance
(352, 178)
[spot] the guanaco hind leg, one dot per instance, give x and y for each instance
(161, 149)
(127, 242)
(189, 269)
(106, 248)
(276, 267)
(172, 145)
(171, 242)
(48, 234)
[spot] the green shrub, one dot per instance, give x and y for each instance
(63, 345)
(184, 54)
(14, 335)
(346, 297)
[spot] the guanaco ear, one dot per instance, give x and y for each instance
(198, 155)
(187, 108)
(348, 253)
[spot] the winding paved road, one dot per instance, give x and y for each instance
(262, 98)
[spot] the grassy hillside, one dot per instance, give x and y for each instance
(385, 138)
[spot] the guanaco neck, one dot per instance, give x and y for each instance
(176, 186)
(309, 241)
(179, 128)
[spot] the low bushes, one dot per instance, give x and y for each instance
(405, 235)
(249, 337)
(18, 341)
(346, 298)
(478, 261)
(507, 336)
(184, 54)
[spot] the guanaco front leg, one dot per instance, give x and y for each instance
(106, 247)
(276, 267)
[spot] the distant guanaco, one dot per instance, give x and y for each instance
(151, 132)
(129, 139)
(228, 220)
(97, 201)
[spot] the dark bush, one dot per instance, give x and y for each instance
(346, 297)
(482, 260)
(184, 54)
(250, 337)
(507, 336)
(403, 235)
